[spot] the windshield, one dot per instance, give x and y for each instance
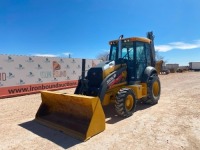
(127, 51)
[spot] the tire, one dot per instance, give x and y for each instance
(125, 102)
(154, 90)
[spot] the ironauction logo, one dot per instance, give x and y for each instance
(57, 72)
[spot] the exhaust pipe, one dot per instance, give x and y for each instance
(120, 46)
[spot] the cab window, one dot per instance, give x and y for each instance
(113, 52)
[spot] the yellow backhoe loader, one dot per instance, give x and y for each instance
(127, 77)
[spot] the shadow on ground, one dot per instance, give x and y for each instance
(112, 116)
(66, 141)
(53, 135)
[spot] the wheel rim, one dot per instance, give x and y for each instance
(155, 88)
(129, 102)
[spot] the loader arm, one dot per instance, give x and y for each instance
(112, 79)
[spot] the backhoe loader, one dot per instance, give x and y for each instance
(127, 77)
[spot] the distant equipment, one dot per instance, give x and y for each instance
(194, 66)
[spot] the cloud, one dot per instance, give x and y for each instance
(178, 45)
(105, 50)
(53, 55)
(46, 55)
(67, 54)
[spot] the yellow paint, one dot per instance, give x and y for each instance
(144, 89)
(131, 39)
(79, 116)
(111, 69)
(111, 93)
(107, 98)
(82, 116)
(129, 102)
(137, 90)
(156, 88)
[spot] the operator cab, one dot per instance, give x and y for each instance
(135, 52)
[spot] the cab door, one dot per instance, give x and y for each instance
(141, 61)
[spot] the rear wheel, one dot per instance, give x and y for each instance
(154, 89)
(125, 102)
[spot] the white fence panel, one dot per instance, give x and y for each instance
(27, 74)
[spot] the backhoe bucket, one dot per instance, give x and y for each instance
(76, 115)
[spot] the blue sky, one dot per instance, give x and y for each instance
(84, 27)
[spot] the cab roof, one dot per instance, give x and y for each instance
(131, 39)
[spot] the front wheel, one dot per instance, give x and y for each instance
(154, 90)
(125, 102)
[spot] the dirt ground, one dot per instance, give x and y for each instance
(174, 123)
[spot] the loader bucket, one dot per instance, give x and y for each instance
(76, 115)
